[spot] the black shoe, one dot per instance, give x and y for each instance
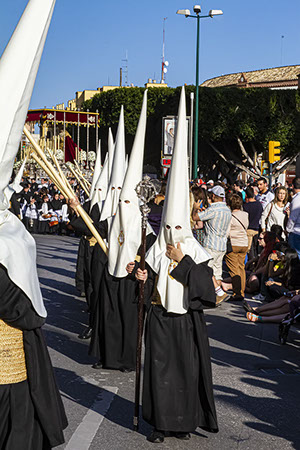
(183, 436)
(248, 308)
(156, 437)
(236, 298)
(86, 334)
(97, 365)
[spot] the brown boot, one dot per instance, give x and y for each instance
(221, 298)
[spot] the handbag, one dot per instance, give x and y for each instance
(228, 245)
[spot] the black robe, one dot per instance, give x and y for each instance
(177, 388)
(33, 408)
(99, 261)
(85, 251)
(118, 319)
(15, 205)
(79, 277)
(93, 259)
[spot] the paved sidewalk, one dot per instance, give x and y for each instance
(257, 381)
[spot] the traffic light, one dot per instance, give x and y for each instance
(274, 151)
(264, 167)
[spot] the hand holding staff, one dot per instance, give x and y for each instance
(146, 190)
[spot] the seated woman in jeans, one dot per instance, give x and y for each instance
(235, 260)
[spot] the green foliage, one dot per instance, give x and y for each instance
(254, 115)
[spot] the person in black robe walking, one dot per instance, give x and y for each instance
(177, 387)
(90, 257)
(119, 288)
(118, 318)
(32, 416)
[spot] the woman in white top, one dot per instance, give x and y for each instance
(235, 260)
(274, 214)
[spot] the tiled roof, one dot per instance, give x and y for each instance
(277, 74)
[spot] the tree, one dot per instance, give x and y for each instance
(235, 124)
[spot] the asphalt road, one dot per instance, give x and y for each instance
(256, 380)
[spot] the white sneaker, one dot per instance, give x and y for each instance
(259, 297)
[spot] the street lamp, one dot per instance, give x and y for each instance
(187, 13)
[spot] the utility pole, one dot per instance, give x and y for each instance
(125, 61)
(121, 76)
(164, 64)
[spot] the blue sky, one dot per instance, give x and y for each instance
(88, 40)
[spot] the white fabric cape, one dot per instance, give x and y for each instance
(18, 69)
(21, 268)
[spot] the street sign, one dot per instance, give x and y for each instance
(166, 162)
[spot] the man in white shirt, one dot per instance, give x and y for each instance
(265, 196)
(293, 225)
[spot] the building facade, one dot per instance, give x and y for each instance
(287, 77)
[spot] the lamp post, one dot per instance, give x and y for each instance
(187, 13)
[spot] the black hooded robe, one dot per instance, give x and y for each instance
(118, 320)
(94, 259)
(32, 416)
(79, 274)
(177, 389)
(85, 252)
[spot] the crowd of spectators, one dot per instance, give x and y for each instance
(41, 207)
(253, 236)
(251, 232)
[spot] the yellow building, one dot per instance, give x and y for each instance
(87, 94)
(156, 84)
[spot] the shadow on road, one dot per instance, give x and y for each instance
(266, 367)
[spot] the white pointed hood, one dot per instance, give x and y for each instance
(100, 188)
(176, 213)
(97, 172)
(111, 152)
(125, 234)
(18, 69)
(118, 172)
(103, 180)
(15, 185)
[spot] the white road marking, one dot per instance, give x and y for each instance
(87, 429)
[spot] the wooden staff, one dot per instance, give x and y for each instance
(84, 181)
(63, 187)
(146, 191)
(51, 174)
(79, 180)
(62, 175)
(81, 174)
